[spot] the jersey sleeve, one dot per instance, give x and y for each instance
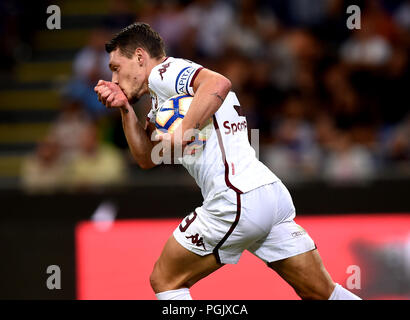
(184, 80)
(172, 77)
(175, 77)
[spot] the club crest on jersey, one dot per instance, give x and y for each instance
(181, 84)
(163, 69)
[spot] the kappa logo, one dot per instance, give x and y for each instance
(163, 69)
(299, 233)
(197, 240)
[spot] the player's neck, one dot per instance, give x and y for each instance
(159, 61)
(152, 63)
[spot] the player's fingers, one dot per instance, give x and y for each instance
(102, 88)
(103, 99)
(99, 90)
(115, 87)
(103, 95)
(112, 86)
(110, 99)
(99, 85)
(106, 93)
(100, 95)
(188, 150)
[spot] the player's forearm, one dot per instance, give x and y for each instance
(208, 98)
(138, 141)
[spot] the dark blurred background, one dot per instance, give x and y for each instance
(331, 105)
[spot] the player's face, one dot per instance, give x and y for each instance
(129, 74)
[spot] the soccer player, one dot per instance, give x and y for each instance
(246, 207)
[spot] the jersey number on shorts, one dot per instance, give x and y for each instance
(188, 221)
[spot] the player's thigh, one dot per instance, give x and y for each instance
(306, 273)
(178, 267)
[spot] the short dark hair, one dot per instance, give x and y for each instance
(137, 35)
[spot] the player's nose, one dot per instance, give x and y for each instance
(114, 79)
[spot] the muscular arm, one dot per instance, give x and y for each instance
(138, 138)
(210, 89)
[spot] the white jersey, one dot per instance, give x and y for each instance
(227, 160)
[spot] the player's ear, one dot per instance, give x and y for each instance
(139, 53)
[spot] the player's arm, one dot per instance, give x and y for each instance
(137, 135)
(210, 90)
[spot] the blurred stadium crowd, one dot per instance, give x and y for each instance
(330, 103)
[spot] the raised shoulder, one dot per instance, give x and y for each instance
(173, 76)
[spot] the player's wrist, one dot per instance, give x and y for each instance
(187, 126)
(126, 108)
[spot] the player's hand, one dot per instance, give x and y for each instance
(170, 145)
(173, 143)
(111, 95)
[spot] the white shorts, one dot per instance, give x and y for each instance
(260, 221)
